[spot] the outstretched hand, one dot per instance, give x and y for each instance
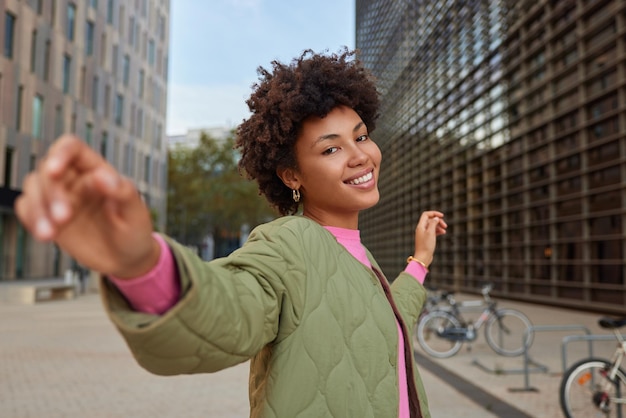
(429, 226)
(78, 200)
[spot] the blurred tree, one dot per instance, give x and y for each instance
(208, 195)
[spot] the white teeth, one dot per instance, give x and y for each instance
(362, 179)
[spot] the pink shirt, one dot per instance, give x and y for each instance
(159, 289)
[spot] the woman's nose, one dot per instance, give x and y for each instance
(357, 156)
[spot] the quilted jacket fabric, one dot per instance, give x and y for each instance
(315, 322)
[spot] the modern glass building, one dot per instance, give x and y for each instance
(96, 68)
(509, 116)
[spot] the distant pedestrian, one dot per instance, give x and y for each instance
(303, 299)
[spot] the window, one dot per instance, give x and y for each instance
(94, 93)
(18, 110)
(71, 21)
(142, 76)
(46, 61)
(53, 12)
(67, 64)
(39, 7)
(107, 100)
(103, 144)
(165, 64)
(103, 50)
(161, 27)
(9, 33)
(121, 21)
(129, 156)
(33, 51)
(126, 69)
(131, 30)
(89, 133)
(37, 116)
(158, 133)
(119, 109)
(58, 121)
(115, 61)
(82, 81)
(151, 52)
(140, 123)
(146, 169)
(93, 4)
(9, 153)
(89, 34)
(110, 9)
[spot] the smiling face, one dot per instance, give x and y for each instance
(338, 167)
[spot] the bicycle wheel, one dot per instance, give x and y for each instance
(586, 390)
(430, 334)
(505, 330)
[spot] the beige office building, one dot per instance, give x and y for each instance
(96, 68)
(509, 116)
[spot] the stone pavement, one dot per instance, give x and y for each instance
(64, 359)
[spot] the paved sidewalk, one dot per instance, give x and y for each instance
(64, 359)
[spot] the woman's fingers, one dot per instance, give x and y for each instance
(31, 209)
(430, 225)
(70, 151)
(70, 179)
(432, 220)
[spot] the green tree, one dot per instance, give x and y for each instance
(208, 195)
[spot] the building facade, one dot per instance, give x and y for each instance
(508, 116)
(95, 68)
(191, 139)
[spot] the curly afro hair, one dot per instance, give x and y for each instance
(312, 85)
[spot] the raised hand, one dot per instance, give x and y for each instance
(78, 200)
(429, 226)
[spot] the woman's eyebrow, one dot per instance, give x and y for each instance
(328, 137)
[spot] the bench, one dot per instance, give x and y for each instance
(30, 293)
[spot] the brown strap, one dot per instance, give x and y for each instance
(414, 404)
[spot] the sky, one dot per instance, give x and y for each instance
(216, 47)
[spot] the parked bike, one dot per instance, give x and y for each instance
(443, 330)
(594, 387)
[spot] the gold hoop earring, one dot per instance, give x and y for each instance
(295, 193)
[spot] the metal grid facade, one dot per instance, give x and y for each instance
(509, 117)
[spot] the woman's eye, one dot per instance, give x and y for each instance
(362, 138)
(330, 150)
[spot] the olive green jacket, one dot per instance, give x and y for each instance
(315, 322)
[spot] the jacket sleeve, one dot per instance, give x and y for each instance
(409, 296)
(230, 308)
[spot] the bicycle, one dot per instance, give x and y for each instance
(434, 299)
(593, 387)
(443, 330)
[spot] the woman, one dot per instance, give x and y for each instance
(303, 299)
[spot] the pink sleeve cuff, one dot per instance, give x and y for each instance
(416, 270)
(156, 291)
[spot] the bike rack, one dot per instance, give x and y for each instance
(527, 360)
(588, 338)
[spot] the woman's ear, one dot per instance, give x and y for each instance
(289, 177)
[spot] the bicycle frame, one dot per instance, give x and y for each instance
(469, 330)
(488, 310)
(616, 362)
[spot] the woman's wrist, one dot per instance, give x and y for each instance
(413, 259)
(144, 265)
(421, 258)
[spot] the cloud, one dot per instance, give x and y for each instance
(201, 106)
